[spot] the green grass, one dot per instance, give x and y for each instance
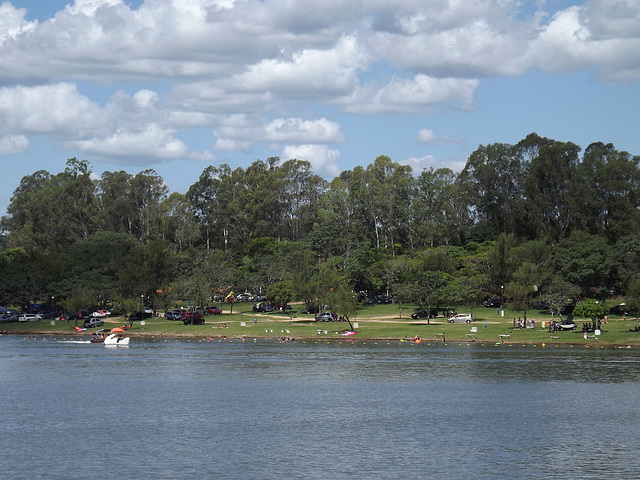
(374, 322)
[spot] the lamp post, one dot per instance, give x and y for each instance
(142, 322)
(502, 300)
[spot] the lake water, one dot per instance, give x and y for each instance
(304, 410)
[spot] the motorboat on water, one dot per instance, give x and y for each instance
(99, 336)
(115, 339)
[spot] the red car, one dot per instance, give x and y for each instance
(212, 311)
(192, 318)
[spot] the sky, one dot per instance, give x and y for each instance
(177, 85)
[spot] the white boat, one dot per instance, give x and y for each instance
(114, 339)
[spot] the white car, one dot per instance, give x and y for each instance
(100, 313)
(29, 317)
(461, 317)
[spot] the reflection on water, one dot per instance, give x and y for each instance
(178, 409)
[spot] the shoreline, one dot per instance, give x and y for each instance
(351, 339)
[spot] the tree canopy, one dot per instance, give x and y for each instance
(534, 214)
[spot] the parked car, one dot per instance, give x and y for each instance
(492, 302)
(263, 307)
(425, 313)
(619, 310)
(461, 317)
(9, 317)
(310, 309)
(282, 308)
(325, 317)
(382, 299)
(244, 297)
(260, 298)
(567, 324)
(100, 313)
(93, 322)
(210, 310)
(174, 314)
(29, 317)
(192, 318)
(139, 316)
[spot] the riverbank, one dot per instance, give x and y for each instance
(617, 332)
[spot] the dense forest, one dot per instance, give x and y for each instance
(535, 219)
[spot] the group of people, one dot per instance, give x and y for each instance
(554, 326)
(591, 326)
(523, 323)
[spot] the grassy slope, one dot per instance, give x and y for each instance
(374, 322)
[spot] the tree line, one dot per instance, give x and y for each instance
(538, 218)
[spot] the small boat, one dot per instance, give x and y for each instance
(99, 336)
(115, 340)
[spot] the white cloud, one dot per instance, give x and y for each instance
(58, 109)
(421, 94)
(303, 131)
(131, 127)
(603, 36)
(429, 161)
(421, 163)
(240, 132)
(151, 141)
(13, 144)
(260, 72)
(428, 137)
(13, 23)
(309, 73)
(323, 159)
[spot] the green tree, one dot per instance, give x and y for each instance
(560, 294)
(611, 181)
(493, 178)
(280, 293)
(502, 262)
(522, 286)
(587, 261)
(552, 189)
(633, 296)
(343, 300)
(79, 300)
(590, 308)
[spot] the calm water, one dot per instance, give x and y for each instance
(264, 410)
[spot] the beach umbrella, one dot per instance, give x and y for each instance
(117, 330)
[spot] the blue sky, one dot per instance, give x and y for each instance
(176, 85)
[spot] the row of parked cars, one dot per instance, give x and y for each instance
(451, 316)
(193, 316)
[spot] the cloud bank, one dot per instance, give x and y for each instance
(259, 73)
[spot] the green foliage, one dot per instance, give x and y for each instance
(280, 293)
(591, 308)
(536, 208)
(559, 294)
(633, 297)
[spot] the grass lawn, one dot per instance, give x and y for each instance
(373, 322)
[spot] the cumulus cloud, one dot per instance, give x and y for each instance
(428, 137)
(421, 163)
(310, 72)
(13, 144)
(13, 23)
(323, 159)
(259, 72)
(429, 161)
(58, 109)
(235, 131)
(420, 94)
(127, 127)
